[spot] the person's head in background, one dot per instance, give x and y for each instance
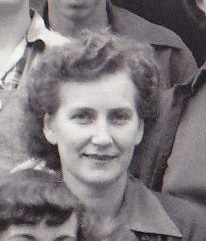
(118, 71)
(36, 206)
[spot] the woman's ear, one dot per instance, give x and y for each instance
(49, 130)
(140, 133)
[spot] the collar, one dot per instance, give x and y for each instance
(126, 23)
(39, 34)
(145, 213)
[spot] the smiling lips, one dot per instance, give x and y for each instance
(77, 4)
(100, 157)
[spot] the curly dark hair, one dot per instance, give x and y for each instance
(88, 58)
(29, 197)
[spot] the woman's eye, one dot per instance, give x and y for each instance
(83, 117)
(119, 117)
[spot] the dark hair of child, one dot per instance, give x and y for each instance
(30, 196)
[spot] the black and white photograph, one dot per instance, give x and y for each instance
(102, 120)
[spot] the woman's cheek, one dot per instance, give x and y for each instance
(126, 134)
(78, 134)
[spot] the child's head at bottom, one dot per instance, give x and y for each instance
(36, 206)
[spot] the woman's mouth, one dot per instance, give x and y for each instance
(77, 4)
(100, 157)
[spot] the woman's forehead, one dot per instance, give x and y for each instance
(114, 89)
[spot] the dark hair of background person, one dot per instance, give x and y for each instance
(29, 197)
(181, 16)
(93, 55)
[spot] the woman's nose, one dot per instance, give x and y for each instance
(102, 136)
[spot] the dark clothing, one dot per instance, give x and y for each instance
(177, 67)
(181, 16)
(145, 215)
(186, 172)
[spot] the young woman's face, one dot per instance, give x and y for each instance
(42, 232)
(96, 128)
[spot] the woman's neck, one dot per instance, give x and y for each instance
(69, 26)
(103, 200)
(14, 22)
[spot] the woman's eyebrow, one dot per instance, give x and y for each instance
(121, 109)
(84, 109)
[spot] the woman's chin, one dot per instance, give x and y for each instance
(100, 178)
